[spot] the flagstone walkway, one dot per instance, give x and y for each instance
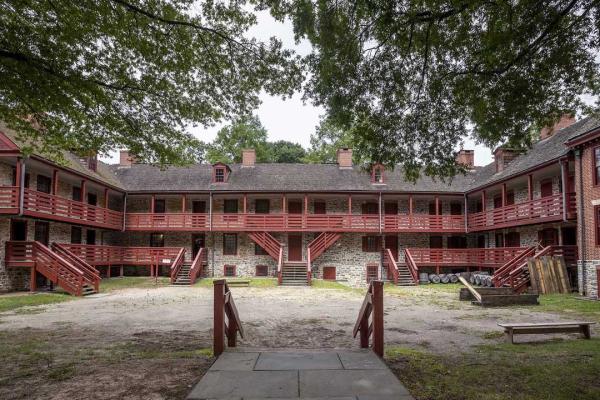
(297, 374)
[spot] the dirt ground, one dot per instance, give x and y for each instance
(154, 343)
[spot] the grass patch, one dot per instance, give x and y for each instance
(493, 335)
(326, 284)
(558, 370)
(571, 305)
(423, 290)
(13, 302)
(127, 282)
(254, 282)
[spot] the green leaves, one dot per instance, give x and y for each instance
(409, 80)
(98, 75)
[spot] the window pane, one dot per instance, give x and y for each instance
(229, 244)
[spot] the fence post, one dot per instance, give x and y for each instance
(377, 318)
(219, 317)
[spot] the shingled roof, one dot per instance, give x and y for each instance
(103, 171)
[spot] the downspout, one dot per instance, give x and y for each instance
(21, 187)
(581, 224)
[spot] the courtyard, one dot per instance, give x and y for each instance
(142, 339)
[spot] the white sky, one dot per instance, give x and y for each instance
(292, 119)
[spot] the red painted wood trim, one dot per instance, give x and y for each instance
(54, 182)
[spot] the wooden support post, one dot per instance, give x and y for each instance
(410, 204)
(378, 318)
(349, 204)
(54, 190)
(183, 205)
(152, 200)
(219, 317)
(105, 197)
(437, 205)
(20, 182)
(245, 203)
(483, 200)
(108, 271)
(564, 176)
(121, 272)
(18, 165)
(84, 191)
(305, 204)
(504, 195)
(530, 187)
(283, 205)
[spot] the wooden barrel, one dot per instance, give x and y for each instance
(478, 279)
(453, 278)
(434, 278)
(423, 277)
(444, 278)
(472, 279)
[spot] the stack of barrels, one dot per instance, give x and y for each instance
(425, 278)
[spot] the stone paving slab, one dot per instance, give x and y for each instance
(297, 361)
(300, 375)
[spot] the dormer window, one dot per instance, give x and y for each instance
(377, 174)
(220, 173)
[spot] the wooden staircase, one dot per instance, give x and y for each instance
(400, 274)
(182, 278)
(185, 273)
(294, 273)
(317, 247)
(405, 278)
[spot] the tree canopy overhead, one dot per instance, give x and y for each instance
(410, 79)
(95, 75)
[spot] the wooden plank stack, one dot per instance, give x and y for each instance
(548, 274)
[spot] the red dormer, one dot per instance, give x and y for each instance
(220, 173)
(377, 173)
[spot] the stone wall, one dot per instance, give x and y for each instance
(587, 273)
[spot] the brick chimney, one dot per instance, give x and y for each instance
(504, 155)
(248, 157)
(125, 160)
(563, 122)
(344, 157)
(466, 158)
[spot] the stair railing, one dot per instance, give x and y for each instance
(519, 277)
(317, 247)
(176, 265)
(90, 274)
(372, 305)
(308, 266)
(198, 264)
(391, 265)
(502, 274)
(412, 266)
(280, 266)
(58, 270)
(225, 306)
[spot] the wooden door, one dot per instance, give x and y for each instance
(320, 207)
(92, 199)
(569, 236)
(546, 188)
(90, 236)
(435, 242)
(329, 273)
(481, 241)
(512, 239)
(294, 247)
(294, 207)
(42, 232)
(391, 242)
(548, 237)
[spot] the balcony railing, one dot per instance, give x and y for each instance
(486, 257)
(294, 222)
(44, 205)
(545, 209)
(9, 199)
(117, 255)
(424, 223)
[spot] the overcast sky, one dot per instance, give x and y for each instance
(292, 119)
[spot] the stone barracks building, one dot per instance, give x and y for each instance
(70, 224)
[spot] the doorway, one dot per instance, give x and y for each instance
(18, 229)
(198, 242)
(294, 247)
(294, 207)
(42, 233)
(199, 207)
(391, 242)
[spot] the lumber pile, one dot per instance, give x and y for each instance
(549, 275)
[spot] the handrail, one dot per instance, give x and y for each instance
(111, 255)
(479, 257)
(57, 269)
(518, 277)
(91, 274)
(390, 263)
(412, 266)
(501, 274)
(225, 306)
(308, 266)
(40, 204)
(267, 242)
(177, 264)
(197, 264)
(280, 266)
(372, 304)
(9, 199)
(317, 247)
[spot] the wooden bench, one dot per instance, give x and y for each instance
(547, 327)
(238, 282)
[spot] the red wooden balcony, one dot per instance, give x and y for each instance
(488, 257)
(48, 206)
(117, 255)
(423, 223)
(545, 209)
(294, 222)
(9, 200)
